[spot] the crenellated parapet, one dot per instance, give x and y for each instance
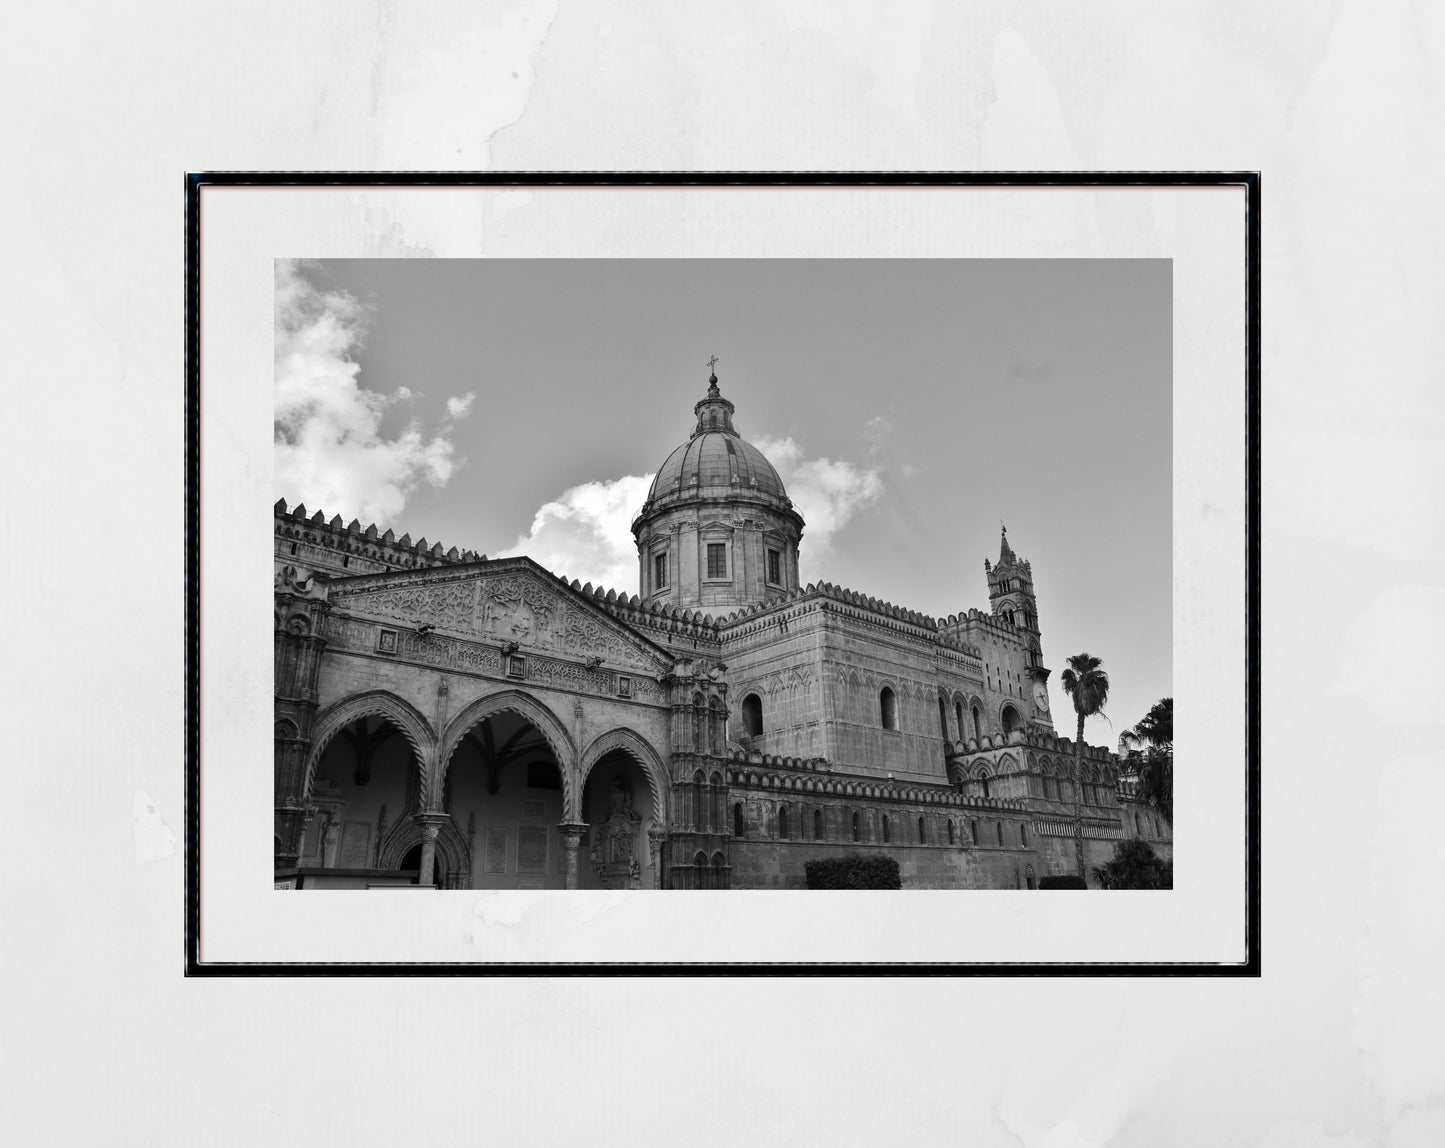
(332, 546)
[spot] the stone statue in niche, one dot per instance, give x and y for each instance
(614, 856)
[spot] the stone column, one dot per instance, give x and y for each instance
(655, 837)
(571, 834)
(428, 854)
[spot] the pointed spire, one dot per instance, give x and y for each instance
(1005, 552)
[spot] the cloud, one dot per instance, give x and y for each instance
(827, 492)
(459, 408)
(586, 533)
(328, 446)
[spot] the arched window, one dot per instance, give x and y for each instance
(1136, 825)
(782, 821)
(817, 825)
(977, 729)
(714, 727)
(1029, 878)
(699, 719)
(699, 871)
(740, 821)
(952, 833)
(922, 833)
(998, 829)
(958, 713)
(719, 871)
(888, 707)
(973, 832)
(752, 716)
(699, 801)
(1011, 719)
(943, 718)
(984, 777)
(1024, 835)
(715, 816)
(857, 828)
(887, 834)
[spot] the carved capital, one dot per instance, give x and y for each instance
(571, 834)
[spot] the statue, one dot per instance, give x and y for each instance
(614, 855)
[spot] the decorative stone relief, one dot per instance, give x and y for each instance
(517, 608)
(449, 604)
(614, 856)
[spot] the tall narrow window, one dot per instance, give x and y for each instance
(887, 832)
(783, 821)
(717, 560)
(857, 829)
(943, 718)
(977, 732)
(922, 832)
(775, 568)
(952, 833)
(659, 571)
(888, 707)
(752, 716)
(958, 713)
(817, 825)
(998, 829)
(1024, 836)
(740, 823)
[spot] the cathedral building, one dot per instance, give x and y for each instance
(444, 719)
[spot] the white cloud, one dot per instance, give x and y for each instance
(329, 450)
(586, 533)
(827, 492)
(459, 408)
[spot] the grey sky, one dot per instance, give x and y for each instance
(946, 394)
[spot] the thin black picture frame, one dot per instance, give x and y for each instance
(195, 183)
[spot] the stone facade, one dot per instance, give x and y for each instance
(484, 724)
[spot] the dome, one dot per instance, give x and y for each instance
(717, 458)
(716, 461)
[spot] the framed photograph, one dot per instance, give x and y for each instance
(907, 505)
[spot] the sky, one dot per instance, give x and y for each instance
(910, 406)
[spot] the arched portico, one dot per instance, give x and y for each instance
(635, 746)
(374, 703)
(622, 812)
(530, 710)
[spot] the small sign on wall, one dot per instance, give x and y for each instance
(496, 852)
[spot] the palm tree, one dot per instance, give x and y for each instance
(1151, 752)
(1087, 685)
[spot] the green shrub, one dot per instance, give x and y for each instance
(1135, 865)
(1067, 881)
(854, 872)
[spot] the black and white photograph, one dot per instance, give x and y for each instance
(691, 458)
(561, 604)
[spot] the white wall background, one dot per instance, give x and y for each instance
(107, 105)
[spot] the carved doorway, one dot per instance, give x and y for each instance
(503, 789)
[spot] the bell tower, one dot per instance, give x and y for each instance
(1011, 597)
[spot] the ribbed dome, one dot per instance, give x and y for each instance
(716, 456)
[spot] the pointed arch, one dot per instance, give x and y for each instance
(530, 710)
(641, 751)
(373, 703)
(453, 855)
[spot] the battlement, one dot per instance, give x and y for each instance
(349, 548)
(639, 612)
